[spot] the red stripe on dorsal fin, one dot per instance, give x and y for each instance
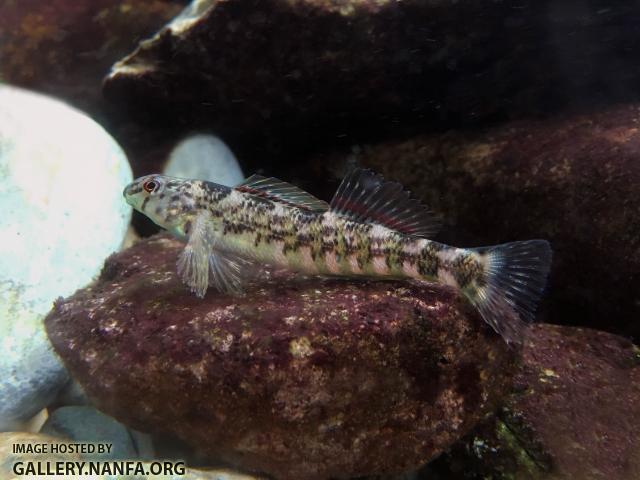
(283, 192)
(364, 196)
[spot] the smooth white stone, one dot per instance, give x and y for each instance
(61, 181)
(204, 157)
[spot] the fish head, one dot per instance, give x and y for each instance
(169, 202)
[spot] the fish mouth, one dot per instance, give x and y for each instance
(127, 191)
(131, 189)
(129, 194)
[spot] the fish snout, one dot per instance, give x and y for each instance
(131, 189)
(130, 194)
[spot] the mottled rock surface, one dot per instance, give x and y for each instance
(574, 181)
(280, 75)
(574, 415)
(300, 378)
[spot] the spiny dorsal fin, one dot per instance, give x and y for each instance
(364, 196)
(279, 191)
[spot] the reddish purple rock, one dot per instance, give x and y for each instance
(574, 415)
(299, 378)
(582, 401)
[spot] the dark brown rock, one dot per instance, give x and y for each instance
(574, 181)
(575, 414)
(65, 48)
(299, 378)
(290, 74)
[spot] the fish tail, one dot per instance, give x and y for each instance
(510, 287)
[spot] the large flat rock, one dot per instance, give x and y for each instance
(298, 378)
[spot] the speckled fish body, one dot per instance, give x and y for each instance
(372, 228)
(325, 243)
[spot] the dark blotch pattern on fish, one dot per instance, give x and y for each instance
(466, 269)
(428, 261)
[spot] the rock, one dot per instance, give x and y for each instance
(61, 178)
(573, 180)
(9, 460)
(71, 394)
(205, 157)
(299, 378)
(84, 424)
(34, 424)
(65, 47)
(275, 77)
(130, 238)
(574, 415)
(26, 351)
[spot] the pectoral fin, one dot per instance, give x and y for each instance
(193, 262)
(203, 263)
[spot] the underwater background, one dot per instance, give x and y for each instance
(511, 120)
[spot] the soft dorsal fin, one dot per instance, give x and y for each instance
(279, 191)
(364, 196)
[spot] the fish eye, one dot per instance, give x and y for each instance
(150, 185)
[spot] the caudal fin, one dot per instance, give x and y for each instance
(515, 277)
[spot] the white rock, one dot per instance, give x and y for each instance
(204, 157)
(61, 178)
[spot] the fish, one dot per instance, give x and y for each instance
(372, 228)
